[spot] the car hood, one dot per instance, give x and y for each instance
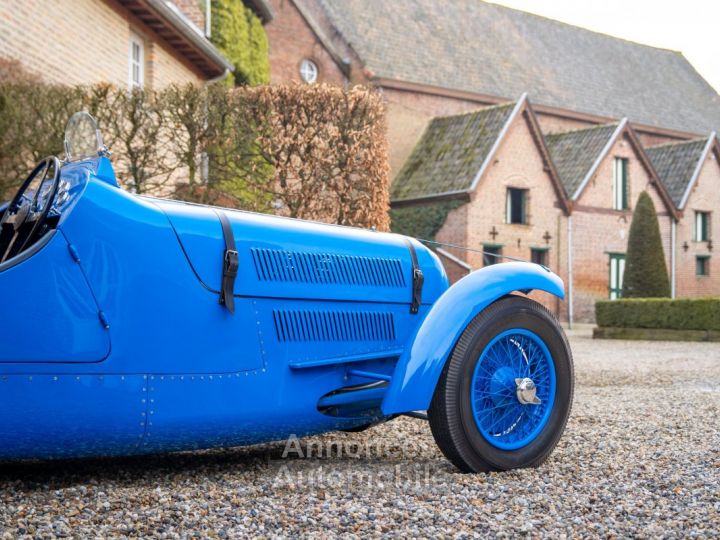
(289, 258)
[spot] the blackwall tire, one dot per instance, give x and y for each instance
(466, 412)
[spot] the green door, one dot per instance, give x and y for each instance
(617, 269)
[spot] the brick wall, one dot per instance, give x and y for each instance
(705, 196)
(89, 43)
(164, 68)
(598, 230)
(550, 123)
(290, 41)
(517, 164)
(194, 10)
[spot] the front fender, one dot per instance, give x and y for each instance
(418, 369)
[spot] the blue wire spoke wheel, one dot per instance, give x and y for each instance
(504, 397)
(515, 367)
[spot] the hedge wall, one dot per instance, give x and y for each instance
(662, 313)
(316, 152)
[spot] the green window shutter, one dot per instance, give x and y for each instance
(624, 183)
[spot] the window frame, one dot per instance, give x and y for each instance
(702, 261)
(620, 180)
(540, 250)
(523, 205)
(701, 227)
(136, 41)
(309, 62)
(489, 260)
(615, 293)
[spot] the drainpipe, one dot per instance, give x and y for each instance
(208, 27)
(673, 243)
(570, 273)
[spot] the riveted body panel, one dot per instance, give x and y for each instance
(118, 343)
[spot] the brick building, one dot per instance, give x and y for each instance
(148, 43)
(604, 111)
(603, 170)
(691, 171)
(537, 181)
(494, 154)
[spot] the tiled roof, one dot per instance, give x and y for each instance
(575, 152)
(450, 153)
(675, 164)
(488, 49)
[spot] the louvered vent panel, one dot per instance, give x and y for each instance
(326, 268)
(311, 325)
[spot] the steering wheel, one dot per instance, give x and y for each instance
(24, 210)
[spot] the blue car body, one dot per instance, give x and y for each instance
(113, 342)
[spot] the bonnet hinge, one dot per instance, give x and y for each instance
(230, 266)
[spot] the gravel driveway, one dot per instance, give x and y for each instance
(640, 457)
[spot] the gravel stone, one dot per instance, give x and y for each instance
(640, 457)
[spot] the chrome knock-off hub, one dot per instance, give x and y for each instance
(526, 391)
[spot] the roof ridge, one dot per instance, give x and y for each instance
(571, 25)
(475, 111)
(678, 143)
(577, 130)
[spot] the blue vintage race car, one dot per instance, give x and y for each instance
(133, 325)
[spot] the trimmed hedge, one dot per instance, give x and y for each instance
(646, 275)
(316, 152)
(661, 313)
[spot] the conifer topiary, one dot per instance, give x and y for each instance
(646, 275)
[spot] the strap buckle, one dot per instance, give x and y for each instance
(231, 263)
(417, 285)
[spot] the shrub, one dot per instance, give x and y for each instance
(328, 151)
(679, 314)
(240, 36)
(315, 152)
(422, 221)
(646, 275)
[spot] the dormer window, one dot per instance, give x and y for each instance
(620, 184)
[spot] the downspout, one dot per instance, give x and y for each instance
(208, 27)
(570, 273)
(673, 244)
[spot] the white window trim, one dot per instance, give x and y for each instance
(701, 216)
(315, 70)
(617, 194)
(135, 40)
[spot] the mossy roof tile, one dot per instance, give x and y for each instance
(675, 164)
(450, 153)
(494, 50)
(574, 152)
